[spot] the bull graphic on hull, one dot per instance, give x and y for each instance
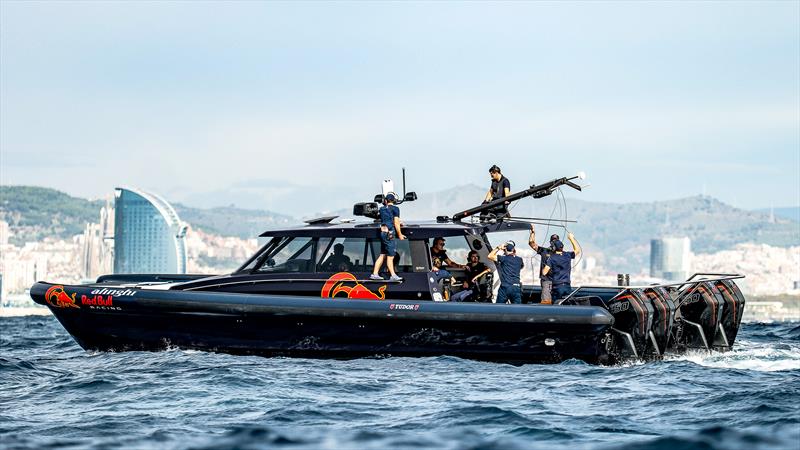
(56, 296)
(336, 285)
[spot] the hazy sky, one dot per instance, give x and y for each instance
(654, 100)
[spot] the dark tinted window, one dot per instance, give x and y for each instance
(292, 255)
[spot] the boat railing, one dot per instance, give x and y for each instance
(689, 281)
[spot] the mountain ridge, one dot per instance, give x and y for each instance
(620, 232)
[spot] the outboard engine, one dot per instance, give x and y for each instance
(732, 312)
(633, 320)
(700, 308)
(663, 319)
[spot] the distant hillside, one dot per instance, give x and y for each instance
(231, 221)
(622, 232)
(619, 234)
(34, 213)
(784, 213)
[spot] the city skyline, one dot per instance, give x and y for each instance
(193, 101)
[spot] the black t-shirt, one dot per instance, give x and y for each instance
(499, 188)
(472, 271)
(439, 259)
(337, 263)
(545, 253)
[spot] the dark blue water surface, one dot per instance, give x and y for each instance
(53, 394)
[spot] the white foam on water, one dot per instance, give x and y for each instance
(748, 356)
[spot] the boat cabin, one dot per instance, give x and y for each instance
(335, 260)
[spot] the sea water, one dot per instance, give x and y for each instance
(54, 394)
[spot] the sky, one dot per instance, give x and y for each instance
(261, 104)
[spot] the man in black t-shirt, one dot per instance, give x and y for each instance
(337, 261)
(500, 188)
(439, 260)
(475, 269)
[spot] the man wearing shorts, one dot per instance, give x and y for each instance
(390, 231)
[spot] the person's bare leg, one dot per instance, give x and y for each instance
(378, 264)
(390, 265)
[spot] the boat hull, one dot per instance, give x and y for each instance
(120, 319)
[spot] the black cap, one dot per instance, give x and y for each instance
(494, 169)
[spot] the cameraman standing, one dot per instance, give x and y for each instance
(390, 228)
(509, 266)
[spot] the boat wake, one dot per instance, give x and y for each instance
(749, 355)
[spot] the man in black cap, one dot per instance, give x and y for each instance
(500, 188)
(509, 267)
(544, 253)
(559, 266)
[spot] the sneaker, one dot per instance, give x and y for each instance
(395, 278)
(375, 277)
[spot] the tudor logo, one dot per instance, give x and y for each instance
(402, 307)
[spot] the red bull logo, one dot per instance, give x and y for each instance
(56, 296)
(341, 284)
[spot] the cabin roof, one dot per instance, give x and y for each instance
(414, 230)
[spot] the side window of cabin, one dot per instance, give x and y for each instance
(344, 255)
(293, 255)
(402, 261)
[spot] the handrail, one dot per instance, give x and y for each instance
(717, 277)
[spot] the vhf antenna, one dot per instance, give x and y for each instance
(404, 182)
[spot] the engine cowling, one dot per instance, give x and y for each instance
(700, 308)
(633, 320)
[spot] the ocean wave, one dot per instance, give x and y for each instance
(62, 396)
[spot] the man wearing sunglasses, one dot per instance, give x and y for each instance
(439, 260)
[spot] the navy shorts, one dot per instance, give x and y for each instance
(388, 246)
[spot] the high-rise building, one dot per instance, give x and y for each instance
(5, 232)
(148, 235)
(97, 255)
(670, 258)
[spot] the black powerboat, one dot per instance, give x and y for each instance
(296, 297)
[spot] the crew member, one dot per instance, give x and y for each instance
(475, 269)
(509, 266)
(560, 264)
(544, 253)
(390, 230)
(500, 188)
(439, 260)
(338, 260)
